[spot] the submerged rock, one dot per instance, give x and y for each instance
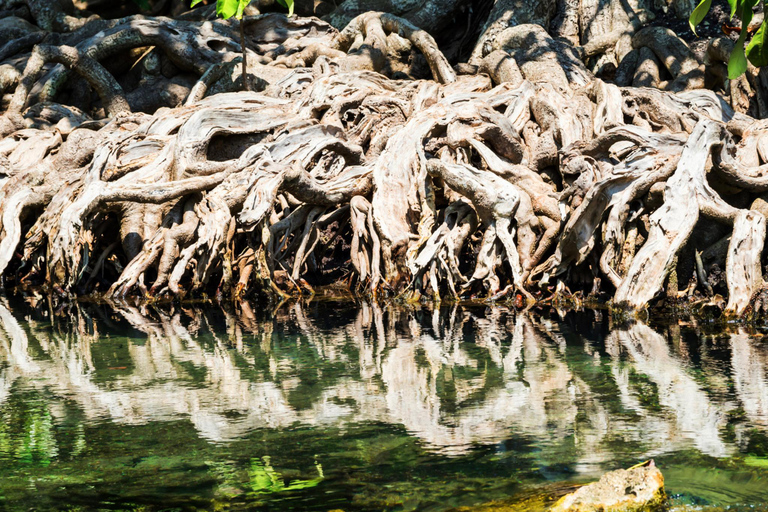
(638, 489)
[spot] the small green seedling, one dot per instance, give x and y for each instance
(227, 8)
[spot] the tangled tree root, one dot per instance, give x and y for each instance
(521, 175)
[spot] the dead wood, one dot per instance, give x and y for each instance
(362, 156)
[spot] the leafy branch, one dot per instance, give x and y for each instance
(756, 51)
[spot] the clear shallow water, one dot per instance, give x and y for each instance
(356, 407)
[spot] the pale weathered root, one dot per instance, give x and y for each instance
(543, 199)
(686, 71)
(106, 86)
(746, 94)
(34, 181)
(187, 45)
(159, 171)
(309, 239)
(651, 159)
(508, 13)
(562, 118)
(400, 191)
(540, 57)
(430, 188)
(9, 77)
(497, 202)
(686, 195)
(743, 268)
(365, 250)
(173, 239)
(372, 26)
(742, 166)
(26, 149)
(254, 190)
(402, 199)
(214, 73)
(367, 42)
(605, 30)
(429, 16)
(652, 52)
(437, 260)
(149, 253)
(11, 221)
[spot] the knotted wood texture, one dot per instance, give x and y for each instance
(362, 157)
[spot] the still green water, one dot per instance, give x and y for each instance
(343, 406)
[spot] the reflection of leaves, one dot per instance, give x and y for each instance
(264, 479)
(6, 443)
(27, 434)
(80, 443)
(756, 462)
(230, 481)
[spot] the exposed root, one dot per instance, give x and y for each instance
(351, 165)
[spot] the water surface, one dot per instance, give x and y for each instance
(329, 406)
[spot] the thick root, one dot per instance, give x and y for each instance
(490, 178)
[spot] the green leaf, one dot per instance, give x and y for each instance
(194, 3)
(287, 4)
(746, 14)
(264, 479)
(143, 4)
(757, 50)
(737, 64)
(699, 13)
(297, 485)
(241, 5)
(735, 6)
(226, 8)
(757, 462)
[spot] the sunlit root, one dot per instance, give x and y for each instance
(672, 51)
(107, 87)
(368, 159)
(686, 195)
(497, 203)
(437, 260)
(364, 44)
(652, 159)
(365, 251)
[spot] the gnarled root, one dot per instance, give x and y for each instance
(333, 171)
(497, 203)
